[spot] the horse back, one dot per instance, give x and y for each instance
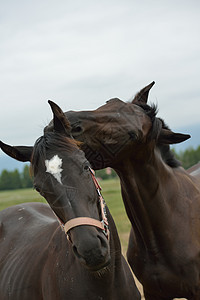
(25, 231)
(195, 171)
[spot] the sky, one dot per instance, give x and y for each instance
(82, 53)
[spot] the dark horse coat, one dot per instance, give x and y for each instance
(162, 200)
(37, 262)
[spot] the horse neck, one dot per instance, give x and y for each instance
(143, 185)
(115, 245)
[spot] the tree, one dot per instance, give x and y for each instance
(10, 180)
(107, 173)
(26, 178)
(5, 180)
(15, 180)
(189, 157)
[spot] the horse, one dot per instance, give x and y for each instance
(80, 258)
(162, 200)
(195, 170)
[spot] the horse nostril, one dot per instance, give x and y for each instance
(104, 242)
(94, 254)
(76, 251)
(77, 254)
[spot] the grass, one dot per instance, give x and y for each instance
(111, 193)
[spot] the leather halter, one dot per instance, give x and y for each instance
(103, 224)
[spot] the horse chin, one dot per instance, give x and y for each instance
(102, 272)
(102, 267)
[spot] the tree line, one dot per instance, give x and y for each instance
(189, 157)
(11, 180)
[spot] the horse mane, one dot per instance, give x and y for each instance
(157, 124)
(53, 141)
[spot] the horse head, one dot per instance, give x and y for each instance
(119, 129)
(62, 175)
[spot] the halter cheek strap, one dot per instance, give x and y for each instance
(103, 224)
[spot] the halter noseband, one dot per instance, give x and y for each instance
(103, 224)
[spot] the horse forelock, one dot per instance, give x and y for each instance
(51, 141)
(151, 112)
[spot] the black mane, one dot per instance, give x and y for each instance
(54, 141)
(157, 125)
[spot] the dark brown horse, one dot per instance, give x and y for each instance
(162, 200)
(37, 262)
(195, 170)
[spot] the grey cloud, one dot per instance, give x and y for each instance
(82, 53)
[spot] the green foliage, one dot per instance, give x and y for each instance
(189, 157)
(26, 178)
(5, 180)
(11, 180)
(15, 180)
(107, 173)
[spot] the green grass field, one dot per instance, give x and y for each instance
(111, 194)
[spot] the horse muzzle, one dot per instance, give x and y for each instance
(91, 247)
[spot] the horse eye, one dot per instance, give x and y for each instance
(132, 135)
(76, 130)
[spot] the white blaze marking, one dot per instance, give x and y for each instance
(54, 167)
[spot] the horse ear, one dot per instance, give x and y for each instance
(142, 96)
(169, 137)
(21, 153)
(60, 122)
